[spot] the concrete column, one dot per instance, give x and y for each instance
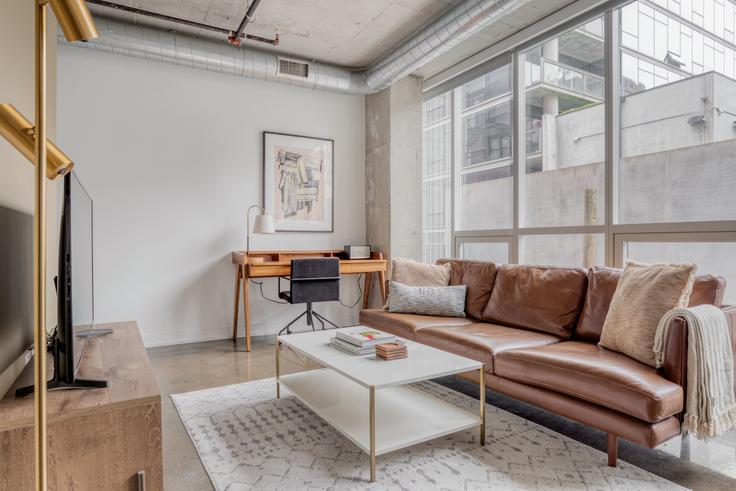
(550, 109)
(394, 169)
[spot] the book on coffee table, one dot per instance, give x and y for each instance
(364, 337)
(351, 348)
(391, 351)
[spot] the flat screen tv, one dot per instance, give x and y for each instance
(75, 289)
(16, 293)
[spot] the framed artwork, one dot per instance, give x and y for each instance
(298, 182)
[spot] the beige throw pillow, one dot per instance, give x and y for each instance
(643, 295)
(414, 273)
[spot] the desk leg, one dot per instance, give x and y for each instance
(246, 308)
(235, 303)
(367, 289)
(382, 285)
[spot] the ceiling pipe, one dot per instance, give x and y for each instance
(246, 20)
(176, 48)
(450, 29)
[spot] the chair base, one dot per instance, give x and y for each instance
(311, 315)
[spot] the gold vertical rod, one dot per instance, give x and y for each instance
(39, 252)
(482, 400)
(278, 389)
(372, 416)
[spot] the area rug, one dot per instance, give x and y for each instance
(247, 439)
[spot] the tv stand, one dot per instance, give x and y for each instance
(54, 384)
(94, 332)
(109, 438)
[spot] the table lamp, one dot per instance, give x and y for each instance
(263, 224)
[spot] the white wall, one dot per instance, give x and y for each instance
(172, 158)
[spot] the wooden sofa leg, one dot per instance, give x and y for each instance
(612, 450)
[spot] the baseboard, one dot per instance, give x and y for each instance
(157, 339)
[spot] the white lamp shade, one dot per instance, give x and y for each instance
(263, 225)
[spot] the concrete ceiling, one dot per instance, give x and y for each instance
(349, 33)
(517, 20)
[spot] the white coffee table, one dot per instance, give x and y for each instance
(370, 401)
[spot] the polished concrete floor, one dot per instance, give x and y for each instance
(184, 368)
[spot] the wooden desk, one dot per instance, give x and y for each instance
(272, 264)
(98, 438)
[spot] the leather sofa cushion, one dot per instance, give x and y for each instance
(482, 341)
(602, 282)
(478, 276)
(596, 375)
(406, 325)
(539, 298)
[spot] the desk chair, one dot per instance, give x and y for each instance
(312, 280)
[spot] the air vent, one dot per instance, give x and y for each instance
(293, 68)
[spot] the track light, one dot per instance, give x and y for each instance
(21, 134)
(74, 19)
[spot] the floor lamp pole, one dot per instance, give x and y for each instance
(39, 252)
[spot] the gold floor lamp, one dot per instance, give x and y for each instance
(77, 25)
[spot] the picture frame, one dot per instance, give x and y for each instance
(298, 182)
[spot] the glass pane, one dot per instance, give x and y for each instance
(678, 144)
(487, 135)
(497, 252)
(564, 121)
(489, 86)
(484, 184)
(710, 257)
(436, 168)
(568, 250)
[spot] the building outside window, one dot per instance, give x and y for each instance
(668, 193)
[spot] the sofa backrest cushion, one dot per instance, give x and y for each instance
(478, 276)
(602, 282)
(538, 298)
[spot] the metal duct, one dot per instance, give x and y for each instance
(452, 28)
(175, 48)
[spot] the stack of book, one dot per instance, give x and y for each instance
(391, 351)
(360, 340)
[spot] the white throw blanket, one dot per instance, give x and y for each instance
(710, 404)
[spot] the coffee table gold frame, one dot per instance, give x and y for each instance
(372, 408)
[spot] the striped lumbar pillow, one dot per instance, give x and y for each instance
(427, 300)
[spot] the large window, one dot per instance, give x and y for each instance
(483, 180)
(614, 139)
(678, 113)
(436, 168)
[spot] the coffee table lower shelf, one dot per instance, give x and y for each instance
(404, 415)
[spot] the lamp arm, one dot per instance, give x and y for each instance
(247, 227)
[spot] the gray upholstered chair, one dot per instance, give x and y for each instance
(312, 280)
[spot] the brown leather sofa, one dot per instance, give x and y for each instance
(536, 330)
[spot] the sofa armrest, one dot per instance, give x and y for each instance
(674, 368)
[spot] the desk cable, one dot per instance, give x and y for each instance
(360, 294)
(260, 287)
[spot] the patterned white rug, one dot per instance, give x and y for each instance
(247, 439)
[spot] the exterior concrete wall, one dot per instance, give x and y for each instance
(686, 184)
(486, 204)
(651, 122)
